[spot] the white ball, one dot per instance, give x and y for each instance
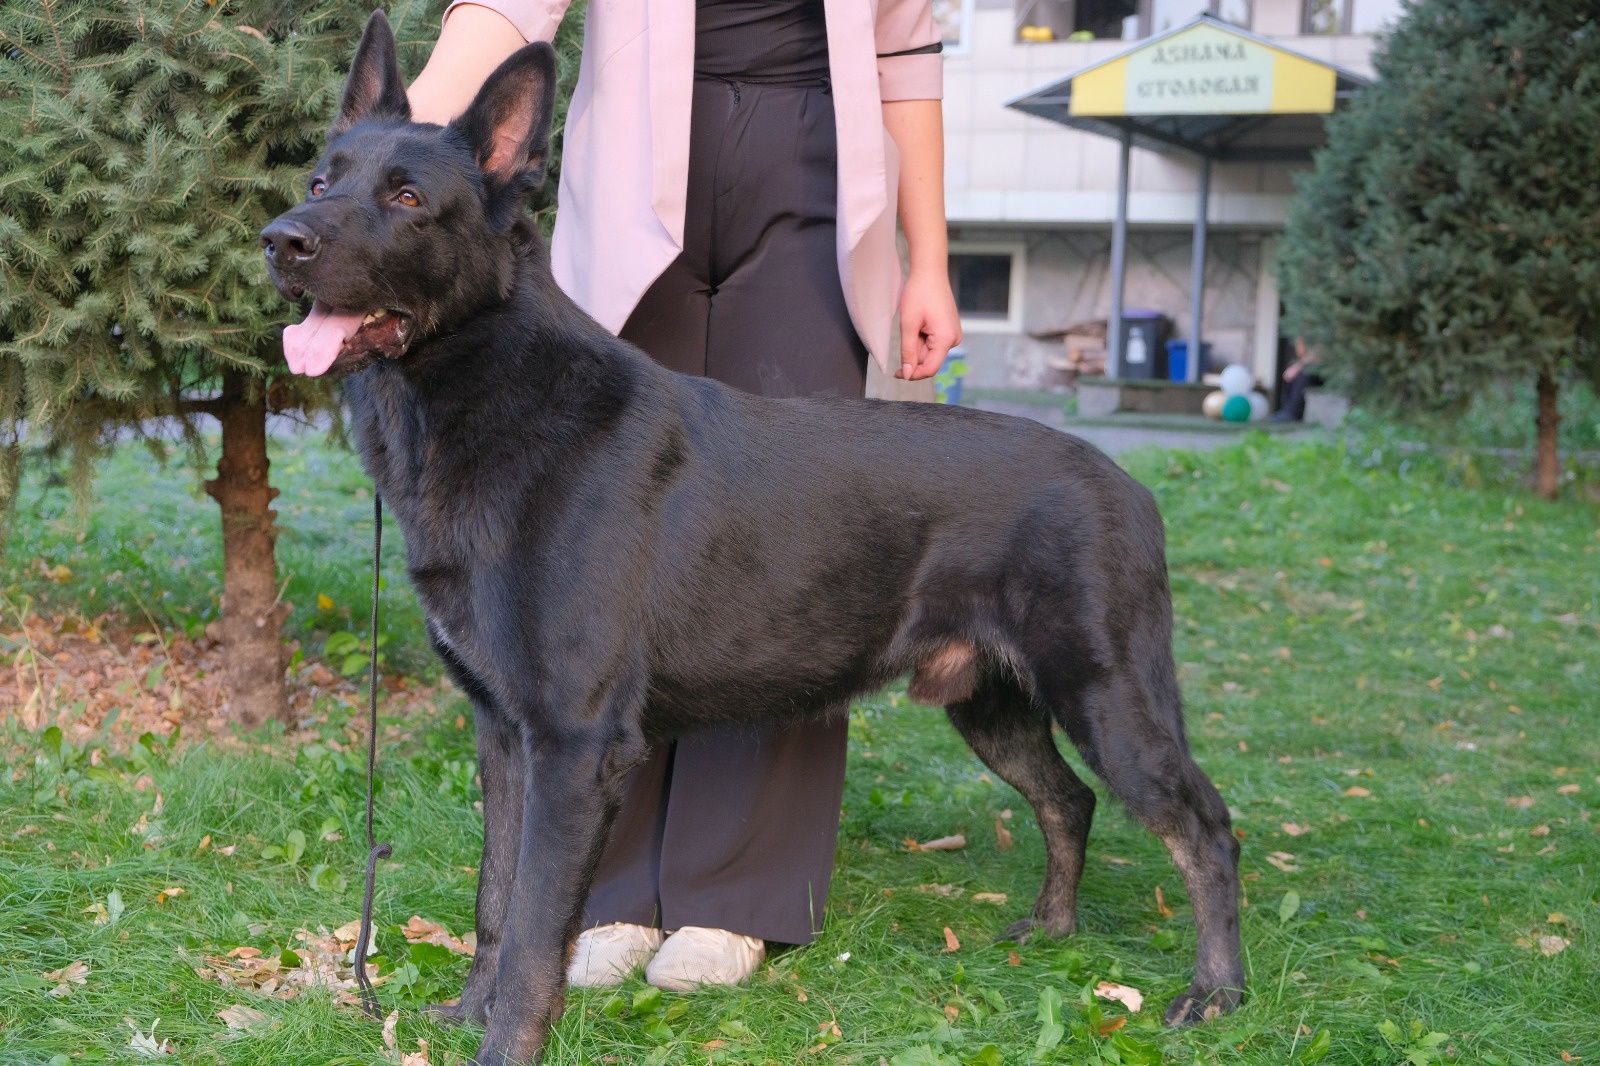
(1236, 380)
(1258, 406)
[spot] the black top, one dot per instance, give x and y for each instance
(761, 40)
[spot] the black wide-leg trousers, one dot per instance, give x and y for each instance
(736, 828)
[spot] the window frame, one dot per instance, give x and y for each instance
(1016, 24)
(1146, 16)
(964, 45)
(1017, 250)
(1346, 19)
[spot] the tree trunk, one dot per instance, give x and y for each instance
(10, 480)
(252, 617)
(1547, 464)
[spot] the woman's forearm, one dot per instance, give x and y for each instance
(917, 127)
(473, 42)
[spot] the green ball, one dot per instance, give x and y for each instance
(1236, 409)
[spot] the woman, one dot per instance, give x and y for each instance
(704, 215)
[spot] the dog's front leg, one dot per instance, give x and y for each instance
(502, 768)
(574, 787)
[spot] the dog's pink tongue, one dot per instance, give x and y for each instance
(311, 346)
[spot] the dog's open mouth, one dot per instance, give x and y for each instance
(329, 335)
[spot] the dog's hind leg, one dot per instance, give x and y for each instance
(1127, 723)
(1012, 736)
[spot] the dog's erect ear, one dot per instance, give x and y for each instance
(508, 124)
(374, 89)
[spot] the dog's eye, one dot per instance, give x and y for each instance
(319, 187)
(408, 198)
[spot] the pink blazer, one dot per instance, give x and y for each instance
(625, 163)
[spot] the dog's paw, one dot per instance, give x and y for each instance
(1025, 929)
(1198, 1005)
(460, 1012)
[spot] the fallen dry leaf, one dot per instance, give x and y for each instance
(1294, 829)
(1568, 790)
(145, 1045)
(312, 960)
(1283, 861)
(1539, 831)
(1002, 836)
(419, 930)
(1358, 792)
(1553, 945)
(239, 1016)
(997, 898)
(1131, 998)
(389, 1025)
(418, 1057)
(939, 890)
(951, 944)
(73, 973)
(949, 843)
(1161, 904)
(1111, 1025)
(1013, 959)
(1522, 803)
(167, 893)
(1557, 918)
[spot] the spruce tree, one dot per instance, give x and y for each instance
(1449, 234)
(143, 145)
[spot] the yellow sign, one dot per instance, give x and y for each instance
(1206, 69)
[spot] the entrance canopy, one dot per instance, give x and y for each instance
(1207, 88)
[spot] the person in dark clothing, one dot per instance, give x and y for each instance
(1298, 377)
(780, 283)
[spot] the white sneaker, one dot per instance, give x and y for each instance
(693, 956)
(607, 954)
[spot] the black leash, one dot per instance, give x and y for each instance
(375, 850)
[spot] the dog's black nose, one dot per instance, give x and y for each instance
(289, 242)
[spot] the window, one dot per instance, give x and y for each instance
(955, 19)
(1324, 16)
(1167, 14)
(1348, 16)
(1234, 11)
(1077, 20)
(986, 279)
(1159, 16)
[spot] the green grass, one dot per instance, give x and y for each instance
(1346, 619)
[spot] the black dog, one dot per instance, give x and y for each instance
(610, 554)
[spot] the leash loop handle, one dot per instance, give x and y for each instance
(375, 849)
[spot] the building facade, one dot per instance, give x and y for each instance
(1031, 202)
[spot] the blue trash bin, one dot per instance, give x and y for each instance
(1178, 359)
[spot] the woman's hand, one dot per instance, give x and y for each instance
(929, 324)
